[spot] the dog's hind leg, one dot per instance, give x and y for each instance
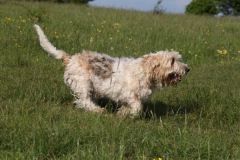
(82, 89)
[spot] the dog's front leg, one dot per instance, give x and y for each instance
(133, 110)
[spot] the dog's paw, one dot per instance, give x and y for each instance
(100, 110)
(123, 112)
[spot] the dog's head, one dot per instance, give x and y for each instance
(164, 68)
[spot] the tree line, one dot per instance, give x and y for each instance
(62, 1)
(214, 7)
(198, 7)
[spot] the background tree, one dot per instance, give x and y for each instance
(202, 7)
(228, 7)
(158, 8)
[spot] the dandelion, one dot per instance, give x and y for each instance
(130, 39)
(37, 60)
(116, 24)
(91, 39)
(70, 22)
(8, 19)
(222, 52)
(143, 157)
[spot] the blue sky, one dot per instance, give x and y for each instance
(170, 6)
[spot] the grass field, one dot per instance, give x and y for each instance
(198, 119)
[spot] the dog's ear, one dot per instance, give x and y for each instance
(151, 65)
(151, 62)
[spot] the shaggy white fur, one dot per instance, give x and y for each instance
(127, 81)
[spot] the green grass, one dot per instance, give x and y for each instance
(198, 119)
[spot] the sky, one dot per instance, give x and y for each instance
(170, 6)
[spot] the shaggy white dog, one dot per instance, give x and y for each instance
(127, 81)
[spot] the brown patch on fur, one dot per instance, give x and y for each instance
(135, 96)
(66, 58)
(83, 62)
(100, 64)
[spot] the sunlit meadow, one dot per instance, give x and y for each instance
(198, 119)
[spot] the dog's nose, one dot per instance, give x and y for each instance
(187, 70)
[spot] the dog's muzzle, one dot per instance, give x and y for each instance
(175, 77)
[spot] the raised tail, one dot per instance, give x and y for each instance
(48, 47)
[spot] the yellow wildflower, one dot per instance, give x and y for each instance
(222, 52)
(116, 24)
(91, 39)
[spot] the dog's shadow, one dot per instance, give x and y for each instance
(150, 109)
(159, 109)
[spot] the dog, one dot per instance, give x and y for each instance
(127, 81)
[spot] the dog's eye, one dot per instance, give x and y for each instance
(172, 62)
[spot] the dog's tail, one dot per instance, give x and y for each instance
(48, 47)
